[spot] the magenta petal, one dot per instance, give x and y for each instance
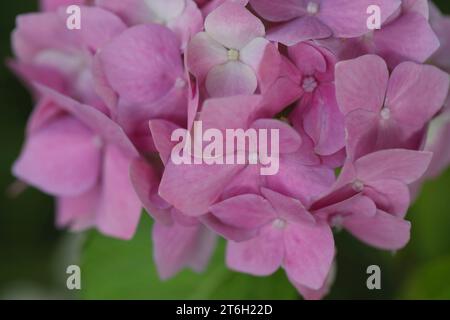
(398, 164)
(309, 253)
(361, 83)
(118, 215)
(61, 158)
(384, 231)
(260, 256)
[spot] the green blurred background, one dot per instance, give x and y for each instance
(34, 255)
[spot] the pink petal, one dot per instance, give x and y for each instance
(247, 211)
(118, 215)
(145, 180)
(416, 93)
(233, 26)
(130, 72)
(309, 254)
(298, 30)
(300, 181)
(348, 18)
(288, 208)
(78, 213)
(361, 83)
(180, 185)
(230, 79)
(203, 53)
(289, 139)
(176, 247)
(324, 122)
(398, 164)
(161, 131)
(265, 60)
(260, 256)
(407, 38)
(281, 10)
(383, 231)
(390, 196)
(61, 159)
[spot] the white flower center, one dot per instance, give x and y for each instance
(337, 222)
(279, 223)
(385, 113)
(358, 186)
(312, 8)
(309, 84)
(180, 83)
(233, 54)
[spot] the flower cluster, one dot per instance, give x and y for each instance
(361, 122)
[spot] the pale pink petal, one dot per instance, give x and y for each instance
(233, 26)
(230, 79)
(203, 53)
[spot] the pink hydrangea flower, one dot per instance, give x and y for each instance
(76, 153)
(232, 57)
(49, 53)
(406, 36)
(317, 111)
(386, 112)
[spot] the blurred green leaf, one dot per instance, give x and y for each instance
(430, 281)
(114, 269)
